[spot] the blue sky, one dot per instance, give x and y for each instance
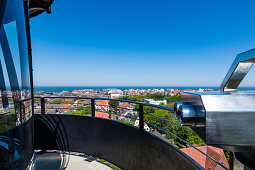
(141, 42)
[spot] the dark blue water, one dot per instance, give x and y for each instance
(71, 88)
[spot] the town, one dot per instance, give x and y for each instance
(108, 109)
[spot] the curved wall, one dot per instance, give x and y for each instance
(125, 146)
(16, 122)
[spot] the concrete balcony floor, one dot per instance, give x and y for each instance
(70, 161)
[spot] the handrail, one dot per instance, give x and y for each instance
(170, 122)
(187, 144)
(120, 100)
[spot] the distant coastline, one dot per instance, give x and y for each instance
(71, 88)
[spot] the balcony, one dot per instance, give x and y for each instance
(123, 144)
(125, 136)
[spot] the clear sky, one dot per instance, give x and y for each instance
(141, 42)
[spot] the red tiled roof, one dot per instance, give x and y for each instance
(76, 91)
(204, 161)
(66, 106)
(102, 115)
(102, 103)
(69, 100)
(125, 105)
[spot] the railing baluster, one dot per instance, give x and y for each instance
(42, 105)
(20, 112)
(141, 117)
(43, 112)
(93, 107)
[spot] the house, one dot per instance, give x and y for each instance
(67, 107)
(146, 127)
(205, 161)
(130, 116)
(115, 93)
(101, 115)
(102, 105)
(157, 102)
(54, 108)
(125, 107)
(41, 92)
(76, 92)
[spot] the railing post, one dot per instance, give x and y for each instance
(141, 118)
(93, 107)
(20, 112)
(43, 112)
(42, 105)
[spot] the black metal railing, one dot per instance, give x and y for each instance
(43, 110)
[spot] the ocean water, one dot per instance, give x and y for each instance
(71, 88)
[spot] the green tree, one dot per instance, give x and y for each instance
(114, 105)
(175, 98)
(58, 101)
(124, 98)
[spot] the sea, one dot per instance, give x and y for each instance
(71, 88)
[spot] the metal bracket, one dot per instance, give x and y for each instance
(238, 70)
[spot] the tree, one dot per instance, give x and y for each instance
(175, 98)
(37, 99)
(124, 98)
(114, 105)
(57, 101)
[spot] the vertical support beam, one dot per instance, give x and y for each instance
(141, 118)
(93, 107)
(42, 105)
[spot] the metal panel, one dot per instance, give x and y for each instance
(230, 118)
(238, 70)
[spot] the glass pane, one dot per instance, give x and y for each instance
(15, 91)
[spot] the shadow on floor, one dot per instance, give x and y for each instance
(70, 161)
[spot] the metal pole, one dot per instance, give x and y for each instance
(141, 118)
(42, 105)
(43, 112)
(93, 107)
(20, 112)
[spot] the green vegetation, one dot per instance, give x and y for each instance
(7, 121)
(141, 98)
(81, 110)
(58, 101)
(108, 163)
(37, 99)
(227, 154)
(186, 135)
(113, 106)
(127, 122)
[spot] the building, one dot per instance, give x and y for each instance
(115, 93)
(146, 127)
(157, 102)
(204, 161)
